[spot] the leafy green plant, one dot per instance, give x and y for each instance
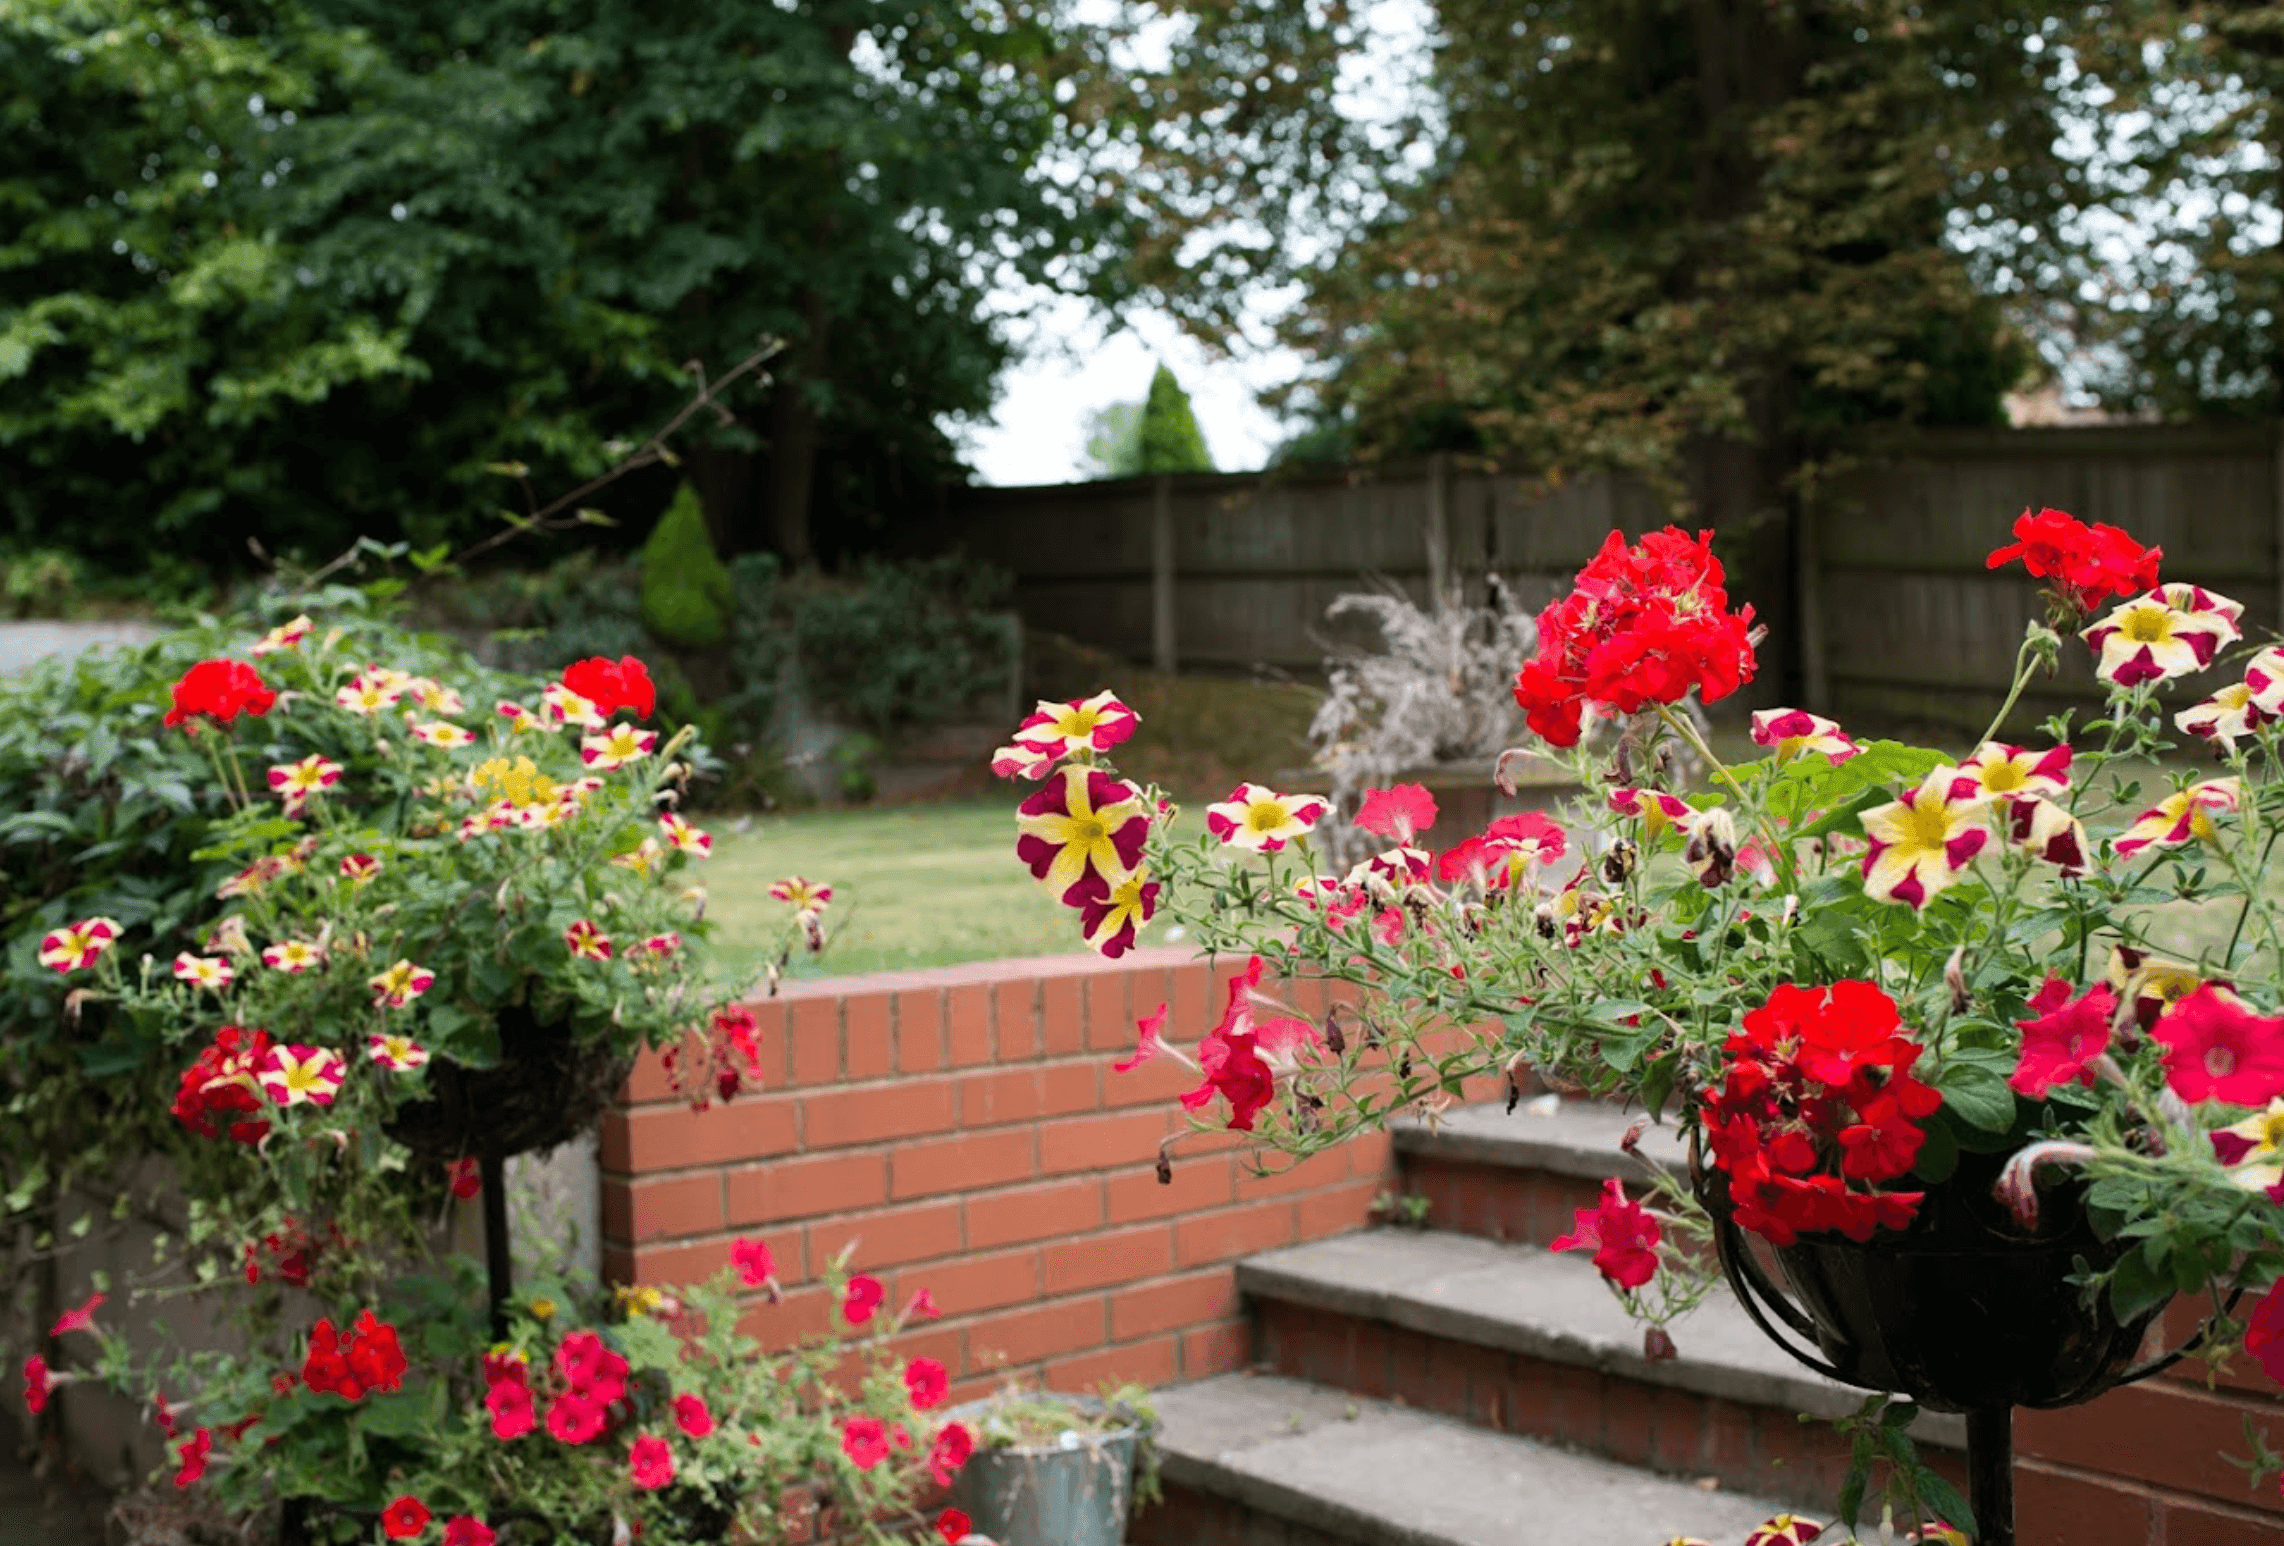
(901, 644)
(687, 595)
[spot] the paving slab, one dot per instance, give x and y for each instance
(1550, 1305)
(1382, 1475)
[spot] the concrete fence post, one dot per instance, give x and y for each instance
(1162, 651)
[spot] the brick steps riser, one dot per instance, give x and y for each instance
(1675, 1432)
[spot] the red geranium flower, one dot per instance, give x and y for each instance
(2082, 565)
(610, 687)
(1621, 1234)
(404, 1519)
(221, 690)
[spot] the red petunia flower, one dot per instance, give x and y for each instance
(191, 1453)
(39, 1384)
(691, 1416)
(754, 1263)
(513, 1414)
(2082, 565)
(950, 1451)
(865, 1441)
(650, 1462)
(81, 1319)
(2264, 1332)
(574, 1419)
(404, 1518)
(862, 1299)
(2060, 1043)
(468, 1530)
(926, 1379)
(611, 687)
(2216, 1048)
(1398, 814)
(221, 690)
(465, 1177)
(1621, 1234)
(953, 1526)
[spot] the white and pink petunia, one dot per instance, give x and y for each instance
(1022, 760)
(2226, 716)
(360, 868)
(397, 1054)
(2184, 814)
(616, 747)
(565, 707)
(1921, 842)
(434, 696)
(684, 838)
(297, 783)
(804, 895)
(1093, 724)
(283, 637)
(645, 857)
(292, 955)
(1083, 821)
(1998, 771)
(212, 972)
(517, 716)
(367, 694)
(1257, 818)
(2171, 631)
(587, 942)
(1658, 811)
(77, 946)
(663, 944)
(2047, 830)
(292, 1075)
(1797, 733)
(1110, 913)
(229, 937)
(400, 985)
(443, 733)
(2264, 674)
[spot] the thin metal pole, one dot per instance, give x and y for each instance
(1990, 1474)
(493, 1169)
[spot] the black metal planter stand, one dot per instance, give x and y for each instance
(1990, 1473)
(492, 1170)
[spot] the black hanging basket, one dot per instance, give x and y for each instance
(545, 1090)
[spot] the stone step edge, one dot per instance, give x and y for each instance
(1273, 1412)
(1557, 1137)
(1348, 1274)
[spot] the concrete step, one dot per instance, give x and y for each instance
(1257, 1460)
(1527, 1341)
(1523, 1176)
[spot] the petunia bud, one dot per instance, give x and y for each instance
(1335, 1039)
(1165, 1169)
(1619, 862)
(1955, 978)
(1657, 1346)
(1632, 1142)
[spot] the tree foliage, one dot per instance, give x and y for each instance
(300, 269)
(1158, 434)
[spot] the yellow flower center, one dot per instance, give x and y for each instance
(2148, 625)
(2000, 777)
(2272, 1130)
(1930, 825)
(1265, 816)
(1088, 830)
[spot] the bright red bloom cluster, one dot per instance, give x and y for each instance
(221, 690)
(1819, 1081)
(2082, 565)
(39, 1383)
(507, 1396)
(365, 1362)
(593, 1378)
(1645, 624)
(609, 687)
(220, 1088)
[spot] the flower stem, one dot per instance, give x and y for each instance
(2024, 662)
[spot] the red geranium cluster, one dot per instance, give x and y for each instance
(221, 690)
(1819, 1095)
(1645, 624)
(611, 687)
(221, 1088)
(365, 1362)
(2082, 565)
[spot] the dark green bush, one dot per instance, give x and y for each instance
(902, 644)
(687, 596)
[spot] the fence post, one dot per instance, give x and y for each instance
(1162, 653)
(2276, 505)
(1808, 588)
(1438, 532)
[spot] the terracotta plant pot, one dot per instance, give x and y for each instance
(1962, 1311)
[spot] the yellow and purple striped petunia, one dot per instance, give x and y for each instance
(1093, 724)
(1082, 822)
(2170, 632)
(1921, 842)
(2180, 816)
(1797, 733)
(1258, 818)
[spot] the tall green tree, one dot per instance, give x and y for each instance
(1158, 434)
(299, 269)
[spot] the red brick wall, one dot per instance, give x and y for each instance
(964, 1127)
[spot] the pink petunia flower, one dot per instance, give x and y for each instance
(1620, 1233)
(927, 1381)
(81, 1319)
(211, 972)
(2216, 1048)
(1399, 814)
(861, 1299)
(2061, 1042)
(650, 1462)
(1093, 724)
(754, 1263)
(397, 1054)
(2169, 632)
(78, 946)
(865, 1441)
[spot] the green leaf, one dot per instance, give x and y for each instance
(1976, 1095)
(2138, 1285)
(404, 1415)
(1614, 1011)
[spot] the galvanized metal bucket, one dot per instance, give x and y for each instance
(1075, 1492)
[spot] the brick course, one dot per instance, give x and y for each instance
(964, 1130)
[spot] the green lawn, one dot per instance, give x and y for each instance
(913, 886)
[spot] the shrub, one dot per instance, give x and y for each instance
(904, 644)
(687, 596)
